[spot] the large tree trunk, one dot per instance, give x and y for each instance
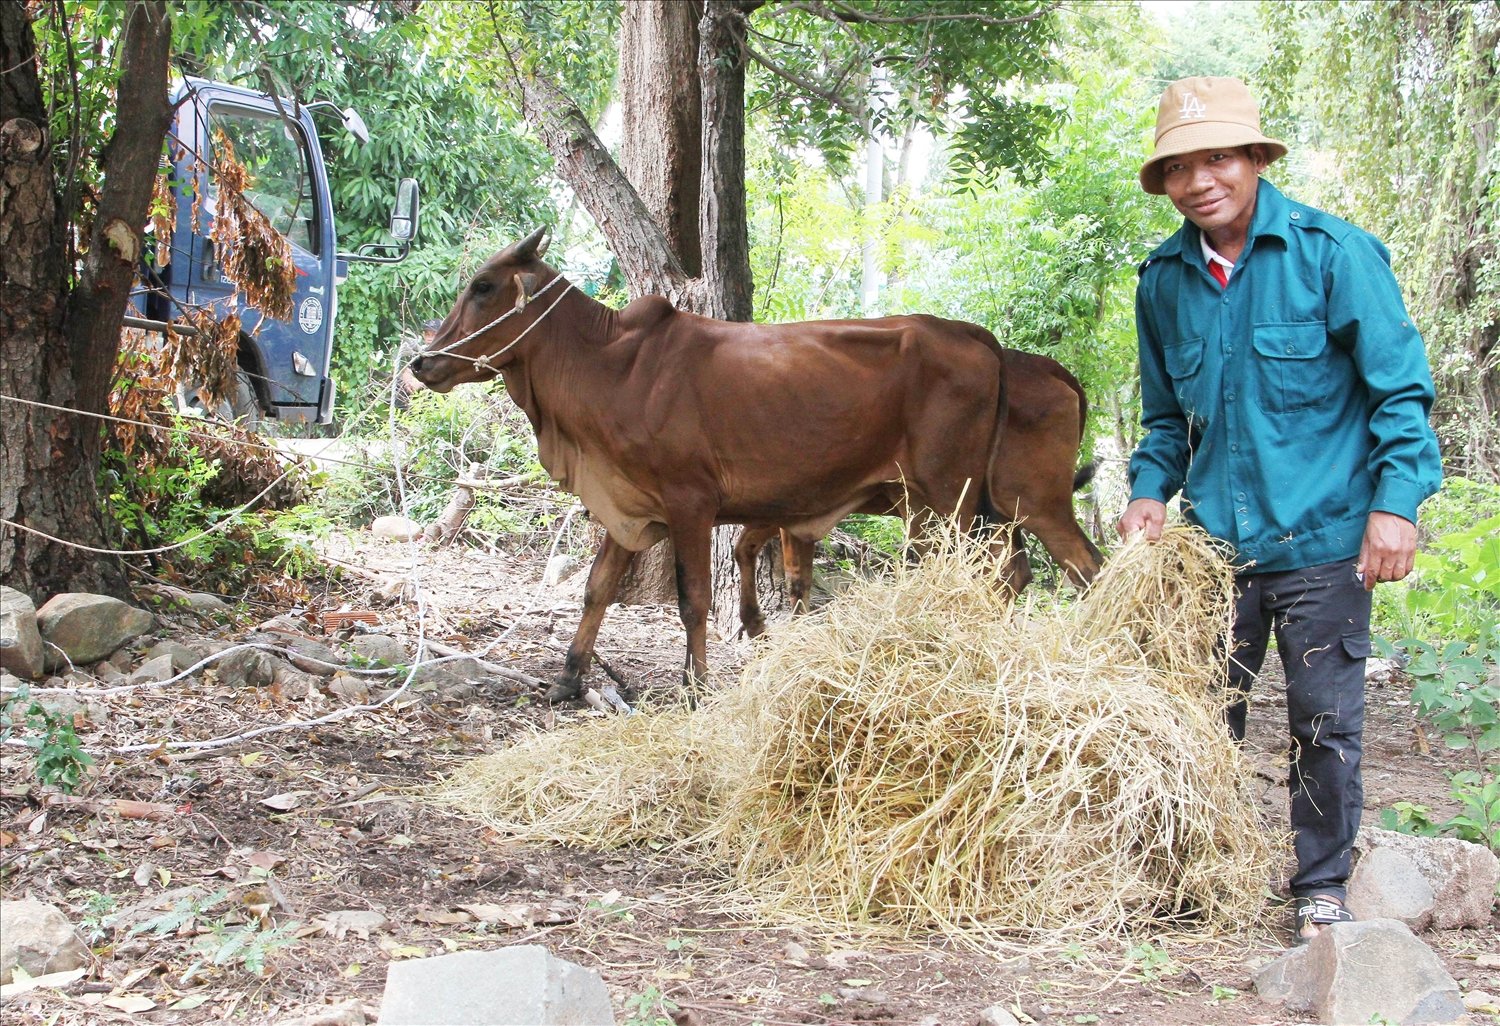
(662, 123)
(683, 77)
(58, 346)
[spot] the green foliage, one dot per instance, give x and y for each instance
(1151, 962)
(649, 1008)
(221, 943)
(955, 69)
(60, 760)
(1454, 595)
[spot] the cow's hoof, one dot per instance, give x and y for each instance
(564, 691)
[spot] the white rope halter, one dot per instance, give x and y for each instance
(483, 362)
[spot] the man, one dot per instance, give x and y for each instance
(1284, 393)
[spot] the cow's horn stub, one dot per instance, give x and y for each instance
(530, 248)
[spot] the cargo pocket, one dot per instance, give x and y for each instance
(1292, 367)
(1357, 645)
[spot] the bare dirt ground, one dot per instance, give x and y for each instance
(298, 828)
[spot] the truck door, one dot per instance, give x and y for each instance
(287, 360)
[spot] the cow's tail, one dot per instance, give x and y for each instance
(1084, 476)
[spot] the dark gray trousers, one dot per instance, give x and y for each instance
(1321, 616)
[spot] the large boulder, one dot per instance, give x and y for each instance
(1462, 875)
(523, 985)
(39, 939)
(20, 641)
(89, 628)
(1376, 971)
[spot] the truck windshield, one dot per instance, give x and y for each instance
(281, 183)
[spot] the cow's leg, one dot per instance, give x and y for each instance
(752, 539)
(1017, 573)
(691, 536)
(797, 563)
(1066, 543)
(610, 564)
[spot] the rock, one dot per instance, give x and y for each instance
(402, 529)
(296, 686)
(996, 1015)
(1375, 971)
(1386, 885)
(20, 640)
(246, 668)
(559, 568)
(522, 985)
(207, 602)
(74, 709)
(38, 938)
(311, 656)
(349, 688)
(107, 673)
(380, 649)
(345, 1013)
(89, 628)
(1479, 1001)
(450, 669)
(154, 670)
(360, 922)
(183, 656)
(1462, 875)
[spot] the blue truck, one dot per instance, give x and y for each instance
(283, 364)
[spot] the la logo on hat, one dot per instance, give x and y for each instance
(1192, 107)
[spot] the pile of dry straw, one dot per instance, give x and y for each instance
(920, 755)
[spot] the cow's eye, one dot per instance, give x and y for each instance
(481, 287)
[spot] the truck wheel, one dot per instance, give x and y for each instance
(241, 408)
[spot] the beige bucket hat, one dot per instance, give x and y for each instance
(1202, 114)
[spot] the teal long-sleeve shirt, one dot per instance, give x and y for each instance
(1289, 405)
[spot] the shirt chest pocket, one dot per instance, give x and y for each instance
(1291, 366)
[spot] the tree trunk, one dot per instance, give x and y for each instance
(661, 143)
(58, 346)
(670, 65)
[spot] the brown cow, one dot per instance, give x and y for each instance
(666, 423)
(1033, 477)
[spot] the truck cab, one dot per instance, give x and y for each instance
(283, 364)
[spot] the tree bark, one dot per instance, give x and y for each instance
(670, 65)
(661, 104)
(58, 343)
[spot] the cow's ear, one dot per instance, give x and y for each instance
(541, 248)
(524, 284)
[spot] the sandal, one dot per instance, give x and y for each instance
(1316, 911)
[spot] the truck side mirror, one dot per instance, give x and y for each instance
(404, 213)
(356, 125)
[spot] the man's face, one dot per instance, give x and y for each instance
(1215, 189)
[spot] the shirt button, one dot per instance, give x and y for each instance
(1229, 350)
(1229, 397)
(1234, 447)
(1291, 349)
(1296, 215)
(1240, 496)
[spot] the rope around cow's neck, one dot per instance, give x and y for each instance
(483, 362)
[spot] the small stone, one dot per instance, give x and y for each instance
(380, 650)
(794, 952)
(153, 671)
(246, 667)
(393, 528)
(349, 688)
(182, 655)
(996, 1015)
(1479, 1001)
(38, 938)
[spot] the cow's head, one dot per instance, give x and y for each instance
(500, 304)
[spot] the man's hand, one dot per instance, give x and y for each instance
(1144, 515)
(1389, 546)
